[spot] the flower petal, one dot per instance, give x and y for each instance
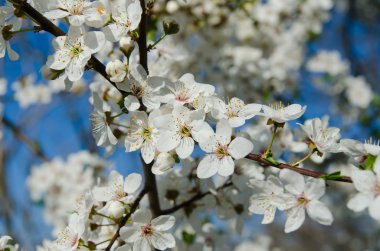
(240, 147)
(163, 222)
(132, 183)
(207, 167)
(319, 212)
(295, 218)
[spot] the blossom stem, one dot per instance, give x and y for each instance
(97, 244)
(117, 124)
(305, 158)
(24, 30)
(151, 46)
(269, 149)
(105, 216)
(117, 115)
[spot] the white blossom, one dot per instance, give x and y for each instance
(306, 196)
(74, 51)
(146, 233)
(221, 152)
(280, 114)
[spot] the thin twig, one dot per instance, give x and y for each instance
(126, 218)
(258, 158)
(32, 145)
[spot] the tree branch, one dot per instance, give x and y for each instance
(192, 200)
(50, 27)
(315, 174)
(126, 218)
(150, 178)
(32, 145)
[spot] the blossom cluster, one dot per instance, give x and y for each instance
(209, 154)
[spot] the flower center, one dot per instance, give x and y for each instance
(182, 96)
(76, 50)
(376, 189)
(185, 131)
(278, 106)
(137, 90)
(302, 200)
(101, 10)
(146, 133)
(221, 152)
(147, 230)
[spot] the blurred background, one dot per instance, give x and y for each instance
(322, 54)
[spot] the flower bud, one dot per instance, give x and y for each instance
(116, 209)
(170, 27)
(172, 6)
(116, 70)
(126, 45)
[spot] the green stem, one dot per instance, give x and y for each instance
(105, 216)
(269, 149)
(117, 115)
(305, 158)
(24, 30)
(97, 244)
(117, 124)
(151, 46)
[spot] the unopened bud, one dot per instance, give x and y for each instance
(170, 27)
(127, 45)
(7, 33)
(116, 209)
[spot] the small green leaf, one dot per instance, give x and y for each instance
(188, 238)
(332, 176)
(272, 161)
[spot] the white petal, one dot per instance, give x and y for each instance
(11, 53)
(76, 20)
(168, 141)
(148, 151)
(319, 212)
(201, 130)
(207, 167)
(131, 103)
(56, 14)
(250, 110)
(315, 188)
(363, 180)
(163, 222)
(236, 121)
(60, 60)
(94, 40)
(75, 69)
(185, 147)
(295, 218)
(132, 183)
(259, 203)
(111, 137)
(269, 214)
(240, 147)
(141, 245)
(223, 132)
(130, 234)
(294, 182)
(374, 209)
(114, 32)
(359, 202)
(162, 241)
(226, 166)
(142, 215)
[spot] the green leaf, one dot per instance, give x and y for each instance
(369, 162)
(188, 238)
(272, 161)
(332, 176)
